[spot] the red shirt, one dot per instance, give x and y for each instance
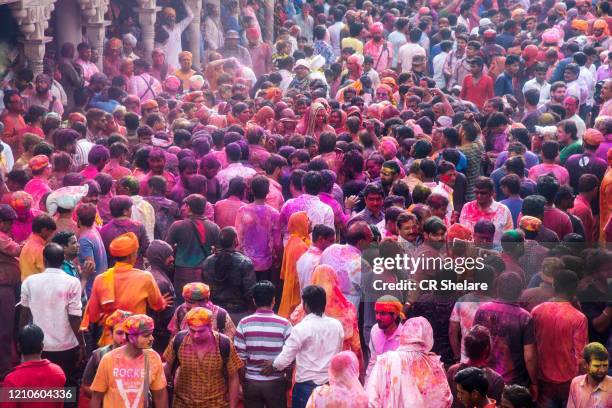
(582, 210)
(561, 334)
(478, 92)
(558, 221)
(40, 373)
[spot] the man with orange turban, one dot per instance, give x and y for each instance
(201, 343)
(385, 333)
(115, 384)
(113, 324)
(122, 287)
(197, 294)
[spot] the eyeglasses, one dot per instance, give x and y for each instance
(481, 192)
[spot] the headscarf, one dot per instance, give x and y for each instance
(262, 116)
(116, 318)
(124, 245)
(529, 54)
(411, 376)
(580, 25)
(307, 123)
(196, 291)
(296, 246)
(38, 162)
(66, 198)
(198, 317)
(157, 253)
(344, 388)
(601, 24)
(390, 304)
(273, 94)
(21, 202)
(593, 137)
(458, 231)
(530, 224)
(138, 324)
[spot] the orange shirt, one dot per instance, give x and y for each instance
(121, 378)
(133, 291)
(12, 125)
(605, 203)
(31, 257)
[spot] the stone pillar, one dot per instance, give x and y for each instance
(68, 24)
(95, 27)
(34, 51)
(193, 31)
(267, 30)
(33, 20)
(146, 17)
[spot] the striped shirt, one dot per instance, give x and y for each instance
(260, 337)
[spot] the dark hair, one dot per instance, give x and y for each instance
(587, 182)
(473, 379)
(404, 217)
(532, 96)
(30, 340)
(569, 126)
(263, 293)
(196, 203)
(260, 186)
(533, 205)
(373, 188)
(512, 59)
(434, 224)
(595, 351)
(53, 254)
(518, 396)
(512, 182)
(118, 205)
(43, 221)
(273, 162)
(548, 186)
(509, 286)
(62, 237)
(565, 282)
(312, 183)
(550, 149)
(227, 237)
(237, 187)
(415, 35)
(315, 298)
(322, 231)
(158, 184)
(484, 183)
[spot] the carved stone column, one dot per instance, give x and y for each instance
(267, 31)
(33, 19)
(93, 14)
(146, 17)
(193, 31)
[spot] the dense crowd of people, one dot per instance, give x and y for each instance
(216, 233)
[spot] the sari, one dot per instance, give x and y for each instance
(411, 376)
(344, 389)
(297, 245)
(336, 306)
(307, 125)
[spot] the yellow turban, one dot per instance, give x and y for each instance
(116, 318)
(124, 245)
(198, 317)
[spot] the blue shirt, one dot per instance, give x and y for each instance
(503, 85)
(514, 205)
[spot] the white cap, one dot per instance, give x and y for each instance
(301, 62)
(484, 22)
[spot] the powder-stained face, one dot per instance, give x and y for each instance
(598, 369)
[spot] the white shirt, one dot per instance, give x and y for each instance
(407, 52)
(334, 36)
(580, 125)
(543, 88)
(83, 146)
(312, 344)
(318, 212)
(588, 80)
(306, 264)
(51, 296)
(173, 46)
(287, 77)
(7, 154)
(144, 212)
(438, 68)
(233, 170)
(397, 39)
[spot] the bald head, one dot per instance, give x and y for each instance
(53, 255)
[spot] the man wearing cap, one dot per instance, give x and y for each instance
(9, 279)
(113, 324)
(196, 351)
(378, 48)
(232, 48)
(120, 379)
(197, 294)
(173, 46)
(123, 286)
(385, 333)
(42, 96)
(534, 253)
(260, 52)
(300, 80)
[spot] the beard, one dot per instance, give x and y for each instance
(436, 244)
